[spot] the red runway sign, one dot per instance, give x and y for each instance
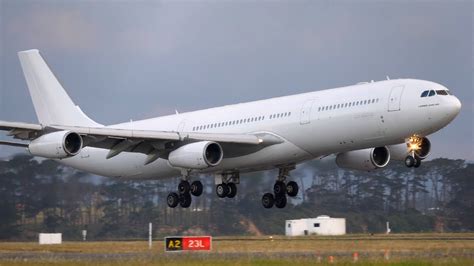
(180, 243)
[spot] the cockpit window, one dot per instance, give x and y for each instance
(442, 92)
(432, 93)
(425, 93)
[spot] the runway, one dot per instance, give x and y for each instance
(452, 249)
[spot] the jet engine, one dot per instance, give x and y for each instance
(366, 159)
(421, 146)
(56, 145)
(197, 155)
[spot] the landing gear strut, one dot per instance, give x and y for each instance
(183, 195)
(280, 190)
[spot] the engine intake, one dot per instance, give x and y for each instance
(56, 145)
(197, 155)
(366, 159)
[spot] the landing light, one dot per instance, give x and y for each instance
(414, 143)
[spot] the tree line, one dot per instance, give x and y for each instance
(43, 196)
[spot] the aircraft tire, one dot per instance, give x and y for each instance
(222, 190)
(292, 189)
(268, 200)
(196, 188)
(410, 161)
(172, 200)
(232, 190)
(417, 162)
(280, 201)
(184, 187)
(279, 188)
(185, 200)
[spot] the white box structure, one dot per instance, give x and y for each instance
(321, 225)
(50, 239)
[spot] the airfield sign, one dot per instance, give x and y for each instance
(183, 243)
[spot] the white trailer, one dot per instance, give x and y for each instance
(50, 239)
(321, 225)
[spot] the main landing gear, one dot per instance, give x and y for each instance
(226, 185)
(280, 190)
(183, 195)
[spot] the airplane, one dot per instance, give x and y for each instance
(364, 125)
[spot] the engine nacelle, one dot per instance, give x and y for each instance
(56, 145)
(197, 155)
(366, 159)
(421, 147)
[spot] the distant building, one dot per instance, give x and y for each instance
(321, 225)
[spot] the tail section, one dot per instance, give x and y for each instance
(52, 104)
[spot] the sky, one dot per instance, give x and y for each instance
(122, 60)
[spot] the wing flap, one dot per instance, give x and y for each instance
(162, 135)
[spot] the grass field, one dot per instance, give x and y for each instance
(395, 249)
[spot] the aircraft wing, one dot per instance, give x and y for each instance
(118, 140)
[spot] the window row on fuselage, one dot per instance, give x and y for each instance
(240, 121)
(347, 104)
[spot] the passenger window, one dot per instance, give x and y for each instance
(432, 93)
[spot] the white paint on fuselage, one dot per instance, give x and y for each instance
(308, 132)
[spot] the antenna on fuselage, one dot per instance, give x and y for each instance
(388, 78)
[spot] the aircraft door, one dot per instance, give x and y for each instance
(305, 117)
(395, 98)
(181, 126)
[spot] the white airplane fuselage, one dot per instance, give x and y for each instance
(312, 125)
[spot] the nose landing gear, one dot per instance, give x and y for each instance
(412, 161)
(416, 146)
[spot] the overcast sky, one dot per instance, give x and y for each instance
(122, 60)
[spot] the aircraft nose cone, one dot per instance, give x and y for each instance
(455, 107)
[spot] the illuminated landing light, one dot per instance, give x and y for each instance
(414, 143)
